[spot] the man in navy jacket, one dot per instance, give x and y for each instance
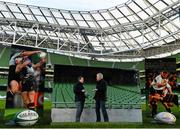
(79, 92)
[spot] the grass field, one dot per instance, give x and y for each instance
(45, 121)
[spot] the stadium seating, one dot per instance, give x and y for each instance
(63, 96)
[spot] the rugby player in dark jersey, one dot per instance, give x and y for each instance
(28, 80)
(14, 81)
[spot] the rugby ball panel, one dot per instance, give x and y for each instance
(26, 123)
(26, 118)
(165, 117)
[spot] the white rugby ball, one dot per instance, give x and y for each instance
(26, 118)
(42, 54)
(165, 117)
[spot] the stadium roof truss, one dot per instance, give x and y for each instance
(136, 29)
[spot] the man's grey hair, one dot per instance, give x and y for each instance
(100, 75)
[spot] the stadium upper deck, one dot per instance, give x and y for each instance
(130, 30)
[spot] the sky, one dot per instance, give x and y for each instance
(72, 4)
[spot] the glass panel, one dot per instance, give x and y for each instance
(24, 9)
(142, 15)
(66, 15)
(56, 14)
(142, 4)
(19, 16)
(134, 7)
(61, 21)
(125, 11)
(2, 6)
(30, 17)
(112, 22)
(7, 15)
(13, 8)
(103, 24)
(46, 12)
(82, 23)
(77, 16)
(106, 15)
(71, 22)
(92, 24)
(133, 18)
(160, 5)
(97, 16)
(151, 10)
(116, 13)
(35, 11)
(41, 19)
(123, 20)
(87, 17)
(50, 20)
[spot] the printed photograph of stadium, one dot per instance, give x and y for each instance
(90, 63)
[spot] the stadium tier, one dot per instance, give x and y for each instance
(117, 97)
(68, 60)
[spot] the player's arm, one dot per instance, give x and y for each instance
(39, 64)
(19, 67)
(29, 53)
(160, 84)
(169, 88)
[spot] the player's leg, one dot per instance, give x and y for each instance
(25, 98)
(14, 86)
(31, 95)
(153, 104)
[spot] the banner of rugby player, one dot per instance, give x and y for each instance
(161, 84)
(25, 80)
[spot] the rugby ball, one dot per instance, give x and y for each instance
(26, 118)
(42, 54)
(165, 117)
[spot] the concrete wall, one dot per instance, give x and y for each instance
(89, 115)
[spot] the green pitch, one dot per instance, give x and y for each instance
(46, 120)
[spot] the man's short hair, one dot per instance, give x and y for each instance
(79, 78)
(100, 75)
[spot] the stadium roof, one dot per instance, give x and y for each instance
(137, 29)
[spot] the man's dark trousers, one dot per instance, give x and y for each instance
(79, 106)
(101, 105)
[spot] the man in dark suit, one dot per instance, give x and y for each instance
(100, 97)
(79, 92)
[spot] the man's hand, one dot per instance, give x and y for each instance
(95, 90)
(86, 94)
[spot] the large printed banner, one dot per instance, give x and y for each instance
(25, 80)
(161, 81)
